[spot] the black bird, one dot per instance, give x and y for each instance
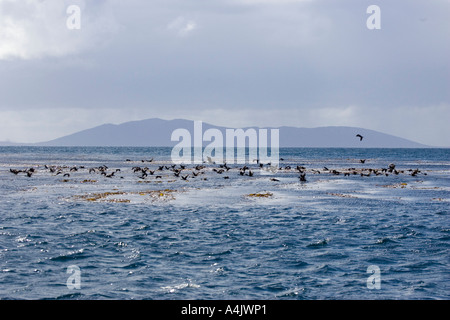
(184, 177)
(143, 175)
(109, 175)
(15, 171)
(360, 137)
(300, 169)
(362, 160)
(302, 177)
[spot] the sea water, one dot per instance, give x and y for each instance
(224, 235)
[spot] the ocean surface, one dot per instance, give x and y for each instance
(224, 235)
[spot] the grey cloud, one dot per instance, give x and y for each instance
(193, 56)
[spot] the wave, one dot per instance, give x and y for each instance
(385, 241)
(177, 287)
(318, 244)
(73, 255)
(69, 296)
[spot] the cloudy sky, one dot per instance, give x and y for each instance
(303, 63)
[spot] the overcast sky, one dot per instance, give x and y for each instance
(304, 63)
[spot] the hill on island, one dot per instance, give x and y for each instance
(158, 132)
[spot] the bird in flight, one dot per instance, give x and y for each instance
(360, 137)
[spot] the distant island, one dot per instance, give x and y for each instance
(157, 132)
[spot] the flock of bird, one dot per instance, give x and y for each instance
(183, 172)
(197, 170)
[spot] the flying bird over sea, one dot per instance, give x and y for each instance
(360, 137)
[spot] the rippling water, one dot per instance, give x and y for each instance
(245, 237)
